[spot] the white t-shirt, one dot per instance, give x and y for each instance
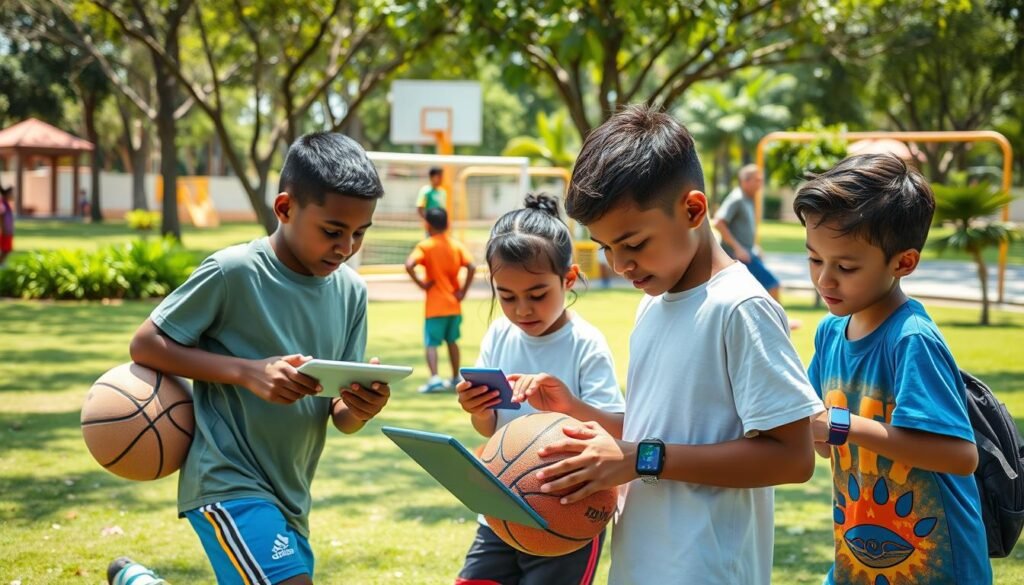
(707, 365)
(577, 354)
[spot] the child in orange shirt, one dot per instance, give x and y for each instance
(442, 258)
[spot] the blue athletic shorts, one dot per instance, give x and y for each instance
(760, 271)
(438, 330)
(248, 542)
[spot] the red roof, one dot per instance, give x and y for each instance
(36, 134)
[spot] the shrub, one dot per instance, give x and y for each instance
(142, 220)
(136, 270)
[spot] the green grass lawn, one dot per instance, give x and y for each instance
(377, 518)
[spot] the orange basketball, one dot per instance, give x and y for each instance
(511, 455)
(137, 422)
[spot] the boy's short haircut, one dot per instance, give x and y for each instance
(328, 162)
(875, 197)
(640, 154)
(435, 171)
(437, 218)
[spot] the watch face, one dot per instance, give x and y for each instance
(839, 417)
(648, 458)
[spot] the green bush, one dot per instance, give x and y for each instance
(136, 270)
(772, 207)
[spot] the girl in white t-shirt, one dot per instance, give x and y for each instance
(530, 259)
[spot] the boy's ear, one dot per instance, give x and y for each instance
(694, 204)
(284, 206)
(905, 262)
(572, 276)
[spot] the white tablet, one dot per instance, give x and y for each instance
(333, 374)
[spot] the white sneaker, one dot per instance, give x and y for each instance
(434, 384)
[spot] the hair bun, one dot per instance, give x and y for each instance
(543, 202)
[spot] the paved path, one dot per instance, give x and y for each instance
(933, 279)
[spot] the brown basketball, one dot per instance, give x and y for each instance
(138, 422)
(511, 455)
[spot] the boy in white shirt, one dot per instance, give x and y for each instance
(717, 402)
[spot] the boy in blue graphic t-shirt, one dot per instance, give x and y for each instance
(905, 505)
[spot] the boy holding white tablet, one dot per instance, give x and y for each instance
(241, 326)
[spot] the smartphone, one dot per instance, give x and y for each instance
(494, 379)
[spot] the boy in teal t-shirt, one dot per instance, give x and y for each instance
(240, 326)
(432, 196)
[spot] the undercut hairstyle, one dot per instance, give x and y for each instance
(437, 218)
(328, 162)
(640, 154)
(875, 197)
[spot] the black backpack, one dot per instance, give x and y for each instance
(1000, 472)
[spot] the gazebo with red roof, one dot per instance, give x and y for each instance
(32, 139)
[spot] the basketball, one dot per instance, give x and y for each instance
(137, 422)
(511, 455)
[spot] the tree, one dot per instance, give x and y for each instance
(969, 209)
(98, 25)
(290, 57)
(601, 54)
(555, 144)
(736, 112)
(957, 70)
(52, 74)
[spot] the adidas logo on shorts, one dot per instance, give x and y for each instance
(281, 548)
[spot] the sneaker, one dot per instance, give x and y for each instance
(124, 571)
(434, 384)
(451, 384)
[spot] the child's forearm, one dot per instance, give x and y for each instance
(610, 421)
(918, 449)
(343, 418)
(782, 455)
(485, 422)
(151, 348)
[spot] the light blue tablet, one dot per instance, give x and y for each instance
(462, 474)
(334, 374)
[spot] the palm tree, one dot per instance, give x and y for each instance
(971, 209)
(556, 143)
(724, 115)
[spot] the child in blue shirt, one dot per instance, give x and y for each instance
(905, 506)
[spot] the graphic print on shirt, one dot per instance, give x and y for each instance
(888, 519)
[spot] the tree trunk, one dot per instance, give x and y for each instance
(139, 163)
(167, 98)
(264, 213)
(96, 160)
(983, 278)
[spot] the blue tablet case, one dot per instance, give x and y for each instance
(462, 474)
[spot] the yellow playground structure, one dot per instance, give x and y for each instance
(194, 200)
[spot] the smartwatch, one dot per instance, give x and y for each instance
(838, 425)
(650, 459)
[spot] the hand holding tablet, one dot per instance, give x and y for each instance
(333, 375)
(494, 379)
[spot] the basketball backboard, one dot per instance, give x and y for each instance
(422, 108)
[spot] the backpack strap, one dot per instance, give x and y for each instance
(991, 448)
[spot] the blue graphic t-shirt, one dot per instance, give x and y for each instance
(895, 524)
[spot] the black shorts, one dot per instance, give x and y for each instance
(492, 562)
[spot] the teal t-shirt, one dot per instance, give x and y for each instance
(244, 302)
(432, 197)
